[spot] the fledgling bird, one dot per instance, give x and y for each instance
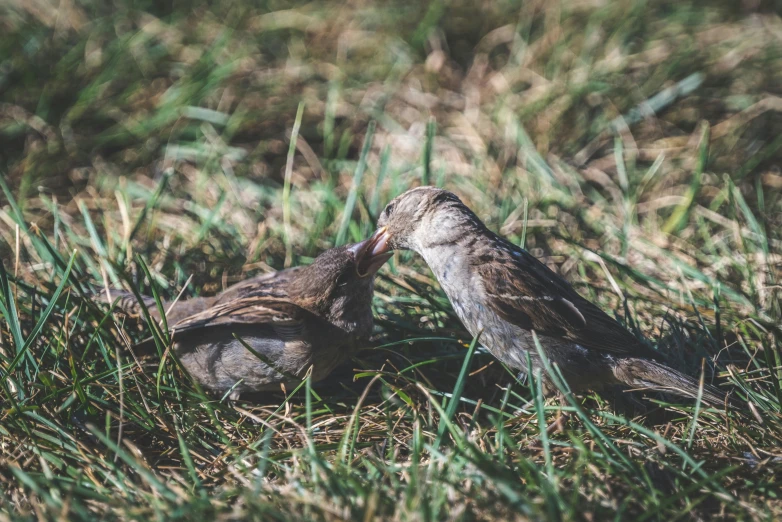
(315, 315)
(504, 293)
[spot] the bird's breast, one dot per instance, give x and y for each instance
(462, 286)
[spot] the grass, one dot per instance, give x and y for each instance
(633, 146)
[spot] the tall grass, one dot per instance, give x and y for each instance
(177, 147)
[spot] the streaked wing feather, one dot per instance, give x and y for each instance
(287, 319)
(264, 285)
(524, 292)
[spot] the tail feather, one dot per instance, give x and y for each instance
(643, 373)
(127, 303)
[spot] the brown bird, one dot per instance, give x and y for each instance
(503, 293)
(315, 315)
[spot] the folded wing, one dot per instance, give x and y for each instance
(526, 293)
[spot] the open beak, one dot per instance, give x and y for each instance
(372, 253)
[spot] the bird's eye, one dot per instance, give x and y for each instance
(389, 209)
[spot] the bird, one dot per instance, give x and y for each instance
(503, 294)
(269, 330)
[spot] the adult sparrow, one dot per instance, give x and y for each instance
(310, 316)
(502, 293)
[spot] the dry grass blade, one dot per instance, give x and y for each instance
(634, 148)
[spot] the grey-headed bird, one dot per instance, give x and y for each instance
(503, 293)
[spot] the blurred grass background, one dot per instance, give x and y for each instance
(634, 146)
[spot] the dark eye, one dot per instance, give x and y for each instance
(389, 209)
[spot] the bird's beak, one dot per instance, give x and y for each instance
(379, 241)
(372, 253)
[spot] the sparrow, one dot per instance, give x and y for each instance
(309, 316)
(503, 294)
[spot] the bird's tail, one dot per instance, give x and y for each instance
(646, 374)
(127, 303)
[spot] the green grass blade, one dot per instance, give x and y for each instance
(358, 175)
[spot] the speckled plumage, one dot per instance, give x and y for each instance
(313, 316)
(502, 292)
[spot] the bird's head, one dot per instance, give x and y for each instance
(340, 281)
(420, 218)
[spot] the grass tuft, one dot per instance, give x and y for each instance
(177, 148)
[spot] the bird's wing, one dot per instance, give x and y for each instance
(272, 284)
(288, 320)
(526, 293)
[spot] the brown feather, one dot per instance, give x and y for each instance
(525, 292)
(293, 320)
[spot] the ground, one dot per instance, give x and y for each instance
(175, 146)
